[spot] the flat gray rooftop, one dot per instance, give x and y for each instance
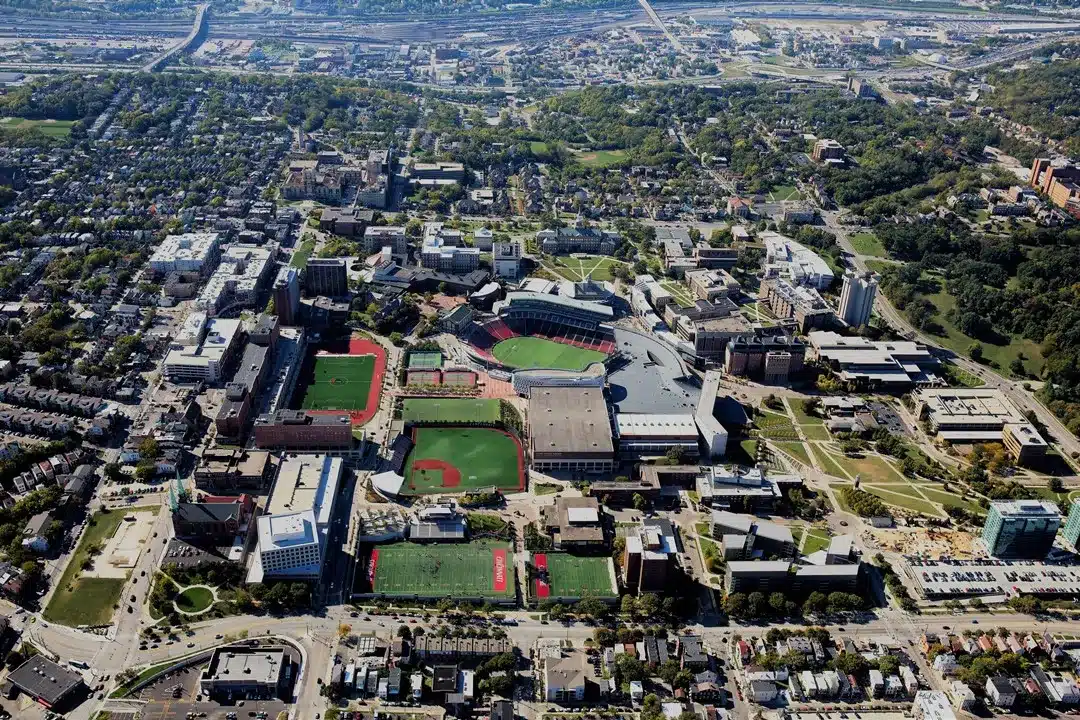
(645, 386)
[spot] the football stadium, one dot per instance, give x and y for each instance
(479, 571)
(561, 577)
(533, 330)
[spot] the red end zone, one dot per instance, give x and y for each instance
(543, 590)
(498, 574)
(371, 568)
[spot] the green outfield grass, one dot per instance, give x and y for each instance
(533, 352)
(437, 571)
(339, 383)
(450, 410)
(576, 577)
(460, 459)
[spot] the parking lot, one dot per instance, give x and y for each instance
(161, 703)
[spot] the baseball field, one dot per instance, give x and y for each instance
(454, 459)
(534, 352)
(480, 569)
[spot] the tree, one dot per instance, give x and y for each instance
(639, 502)
(1056, 485)
(404, 632)
(682, 680)
(628, 668)
(668, 670)
(148, 448)
(888, 664)
(850, 663)
(736, 605)
(591, 607)
(343, 630)
(975, 350)
(676, 455)
(626, 605)
(777, 602)
(604, 637)
(647, 605)
(817, 602)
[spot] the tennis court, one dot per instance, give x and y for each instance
(535, 352)
(481, 569)
(423, 360)
(450, 410)
(423, 377)
(459, 378)
(339, 382)
(453, 459)
(564, 576)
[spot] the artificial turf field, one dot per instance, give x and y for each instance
(425, 360)
(570, 576)
(534, 352)
(463, 458)
(450, 410)
(477, 569)
(339, 382)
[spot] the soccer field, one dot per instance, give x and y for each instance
(339, 382)
(460, 459)
(479, 569)
(450, 410)
(570, 576)
(533, 352)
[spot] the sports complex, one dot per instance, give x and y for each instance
(478, 571)
(533, 330)
(344, 377)
(561, 577)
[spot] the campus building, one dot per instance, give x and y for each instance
(201, 349)
(49, 684)
(1021, 529)
(770, 358)
(795, 262)
(1072, 524)
(246, 672)
(301, 430)
(187, 253)
(287, 295)
(802, 305)
(651, 434)
(327, 277)
(768, 576)
(578, 239)
(650, 555)
(1060, 182)
(865, 363)
(857, 298)
(975, 415)
(292, 535)
(576, 524)
(570, 430)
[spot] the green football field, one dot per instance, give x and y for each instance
(477, 569)
(450, 410)
(572, 576)
(534, 352)
(339, 383)
(459, 459)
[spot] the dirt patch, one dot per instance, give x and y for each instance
(451, 476)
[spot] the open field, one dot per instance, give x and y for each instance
(903, 501)
(798, 407)
(570, 576)
(828, 463)
(795, 449)
(478, 569)
(533, 352)
(50, 128)
(774, 426)
(867, 243)
(302, 253)
(785, 193)
(601, 158)
(339, 382)
(82, 600)
(576, 269)
(815, 540)
(450, 410)
(465, 458)
(871, 468)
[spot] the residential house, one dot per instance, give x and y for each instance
(1000, 691)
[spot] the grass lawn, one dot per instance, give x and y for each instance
(572, 576)
(195, 599)
(466, 458)
(796, 534)
(88, 600)
(870, 467)
(783, 193)
(897, 488)
(829, 464)
(538, 147)
(816, 432)
(601, 158)
(959, 377)
(476, 569)
(534, 352)
(775, 426)
(50, 128)
(816, 540)
(867, 243)
(679, 292)
(796, 449)
(302, 253)
(798, 406)
(339, 383)
(545, 489)
(903, 501)
(578, 268)
(450, 410)
(950, 500)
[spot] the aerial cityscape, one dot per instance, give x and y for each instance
(571, 360)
